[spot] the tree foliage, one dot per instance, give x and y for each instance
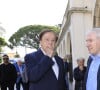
(2, 43)
(28, 36)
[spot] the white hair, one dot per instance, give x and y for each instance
(96, 31)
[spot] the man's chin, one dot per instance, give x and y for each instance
(90, 52)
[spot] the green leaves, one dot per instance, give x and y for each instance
(2, 43)
(28, 36)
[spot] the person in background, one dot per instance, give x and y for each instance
(45, 70)
(79, 74)
(92, 79)
(8, 74)
(19, 68)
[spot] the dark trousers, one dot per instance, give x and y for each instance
(25, 86)
(18, 84)
(6, 85)
(79, 85)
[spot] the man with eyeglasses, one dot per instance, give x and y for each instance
(8, 74)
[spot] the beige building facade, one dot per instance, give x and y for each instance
(80, 17)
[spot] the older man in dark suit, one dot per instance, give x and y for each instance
(45, 70)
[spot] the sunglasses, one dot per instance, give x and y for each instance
(5, 58)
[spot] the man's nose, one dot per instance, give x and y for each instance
(50, 42)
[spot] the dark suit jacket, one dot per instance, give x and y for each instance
(40, 73)
(8, 73)
(98, 74)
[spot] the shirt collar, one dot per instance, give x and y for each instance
(43, 51)
(95, 56)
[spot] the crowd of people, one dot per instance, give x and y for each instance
(11, 75)
(45, 70)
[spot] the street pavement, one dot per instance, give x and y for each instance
(15, 88)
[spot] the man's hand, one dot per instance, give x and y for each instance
(49, 51)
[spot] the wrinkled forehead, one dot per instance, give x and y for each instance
(50, 33)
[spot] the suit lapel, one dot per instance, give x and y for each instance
(40, 54)
(59, 66)
(88, 66)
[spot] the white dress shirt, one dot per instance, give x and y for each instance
(55, 65)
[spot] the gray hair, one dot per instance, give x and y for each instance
(80, 58)
(96, 31)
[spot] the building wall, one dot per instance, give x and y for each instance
(80, 24)
(72, 36)
(78, 20)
